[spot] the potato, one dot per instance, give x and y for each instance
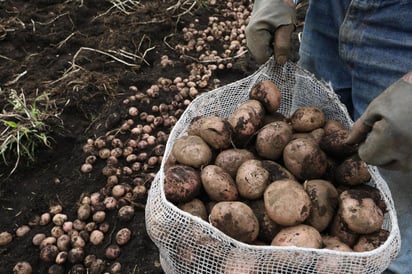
(216, 132)
(334, 243)
(352, 171)
(315, 135)
(268, 93)
(372, 241)
(305, 119)
(273, 117)
(331, 126)
(239, 262)
(230, 159)
(196, 207)
(192, 150)
(267, 227)
(218, 184)
(330, 264)
(299, 235)
(252, 179)
(334, 144)
(277, 171)
(340, 230)
(245, 121)
(195, 125)
(235, 219)
(360, 212)
(272, 139)
(324, 197)
(182, 183)
(304, 159)
(286, 202)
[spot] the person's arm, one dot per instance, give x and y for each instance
(270, 27)
(384, 131)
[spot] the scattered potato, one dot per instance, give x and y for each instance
(235, 219)
(22, 268)
(287, 203)
(5, 238)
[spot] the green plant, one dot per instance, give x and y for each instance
(23, 128)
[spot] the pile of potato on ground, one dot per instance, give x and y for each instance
(263, 178)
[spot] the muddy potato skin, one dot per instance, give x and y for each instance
(267, 227)
(182, 183)
(230, 159)
(341, 231)
(287, 203)
(245, 121)
(192, 150)
(334, 144)
(252, 179)
(277, 171)
(334, 243)
(268, 93)
(352, 171)
(195, 207)
(371, 241)
(305, 119)
(324, 197)
(218, 184)
(216, 132)
(272, 139)
(360, 212)
(304, 159)
(332, 125)
(235, 219)
(300, 236)
(195, 125)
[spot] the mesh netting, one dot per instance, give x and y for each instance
(187, 244)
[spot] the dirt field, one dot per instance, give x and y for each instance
(85, 56)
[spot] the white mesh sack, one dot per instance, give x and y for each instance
(187, 244)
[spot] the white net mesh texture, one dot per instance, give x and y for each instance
(187, 244)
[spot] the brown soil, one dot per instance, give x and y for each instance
(66, 49)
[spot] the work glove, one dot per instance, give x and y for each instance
(269, 31)
(384, 131)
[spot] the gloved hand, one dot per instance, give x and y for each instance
(384, 131)
(270, 27)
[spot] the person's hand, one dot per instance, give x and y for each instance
(384, 131)
(270, 28)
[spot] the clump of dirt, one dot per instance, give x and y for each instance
(86, 56)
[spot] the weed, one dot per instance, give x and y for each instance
(23, 128)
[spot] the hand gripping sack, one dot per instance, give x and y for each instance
(188, 244)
